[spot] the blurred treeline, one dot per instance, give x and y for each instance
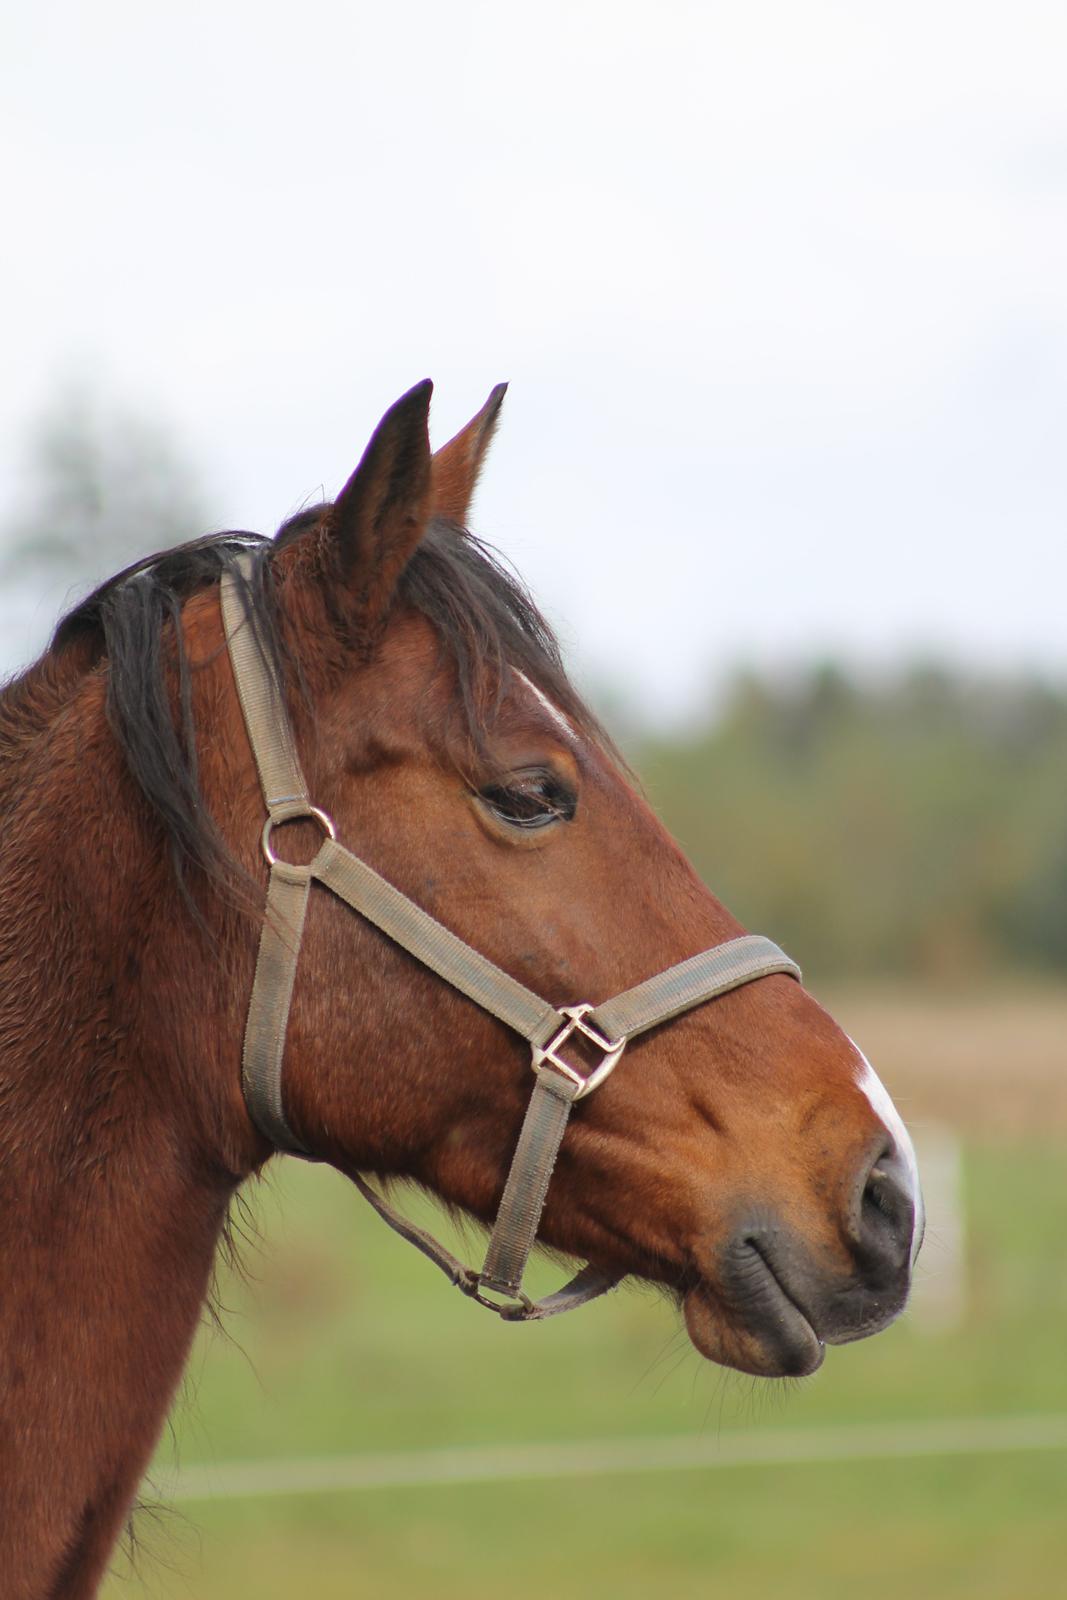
(915, 826)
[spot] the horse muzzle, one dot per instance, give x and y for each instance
(768, 1301)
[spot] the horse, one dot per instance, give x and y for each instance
(742, 1154)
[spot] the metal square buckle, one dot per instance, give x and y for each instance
(548, 1055)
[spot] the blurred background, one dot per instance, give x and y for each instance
(781, 292)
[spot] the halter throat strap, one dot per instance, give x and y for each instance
(558, 1083)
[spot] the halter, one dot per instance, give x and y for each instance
(606, 1028)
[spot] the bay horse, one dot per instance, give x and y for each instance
(743, 1154)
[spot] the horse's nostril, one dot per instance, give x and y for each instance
(885, 1216)
(878, 1192)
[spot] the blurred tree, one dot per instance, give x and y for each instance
(102, 487)
(917, 826)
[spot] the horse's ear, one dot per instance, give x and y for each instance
(381, 514)
(457, 464)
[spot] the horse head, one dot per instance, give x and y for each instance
(743, 1154)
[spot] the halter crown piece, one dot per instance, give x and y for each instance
(606, 1028)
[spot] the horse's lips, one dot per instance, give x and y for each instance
(771, 1337)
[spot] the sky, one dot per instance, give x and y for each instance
(780, 291)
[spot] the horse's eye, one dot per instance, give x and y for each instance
(532, 799)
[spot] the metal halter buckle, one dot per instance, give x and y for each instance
(548, 1054)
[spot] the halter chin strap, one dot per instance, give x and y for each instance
(605, 1028)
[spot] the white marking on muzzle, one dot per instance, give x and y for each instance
(882, 1105)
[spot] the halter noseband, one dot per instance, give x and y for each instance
(557, 1083)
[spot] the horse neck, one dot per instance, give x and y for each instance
(112, 1192)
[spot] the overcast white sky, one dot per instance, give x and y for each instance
(780, 288)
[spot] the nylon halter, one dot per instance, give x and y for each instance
(606, 1028)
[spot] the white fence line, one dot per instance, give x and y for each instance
(422, 1469)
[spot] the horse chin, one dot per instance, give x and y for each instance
(779, 1342)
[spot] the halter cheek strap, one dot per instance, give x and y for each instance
(558, 1083)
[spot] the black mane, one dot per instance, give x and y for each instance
(483, 615)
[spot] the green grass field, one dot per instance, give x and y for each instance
(344, 1342)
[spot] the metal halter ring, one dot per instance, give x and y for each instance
(305, 814)
(510, 1304)
(548, 1054)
